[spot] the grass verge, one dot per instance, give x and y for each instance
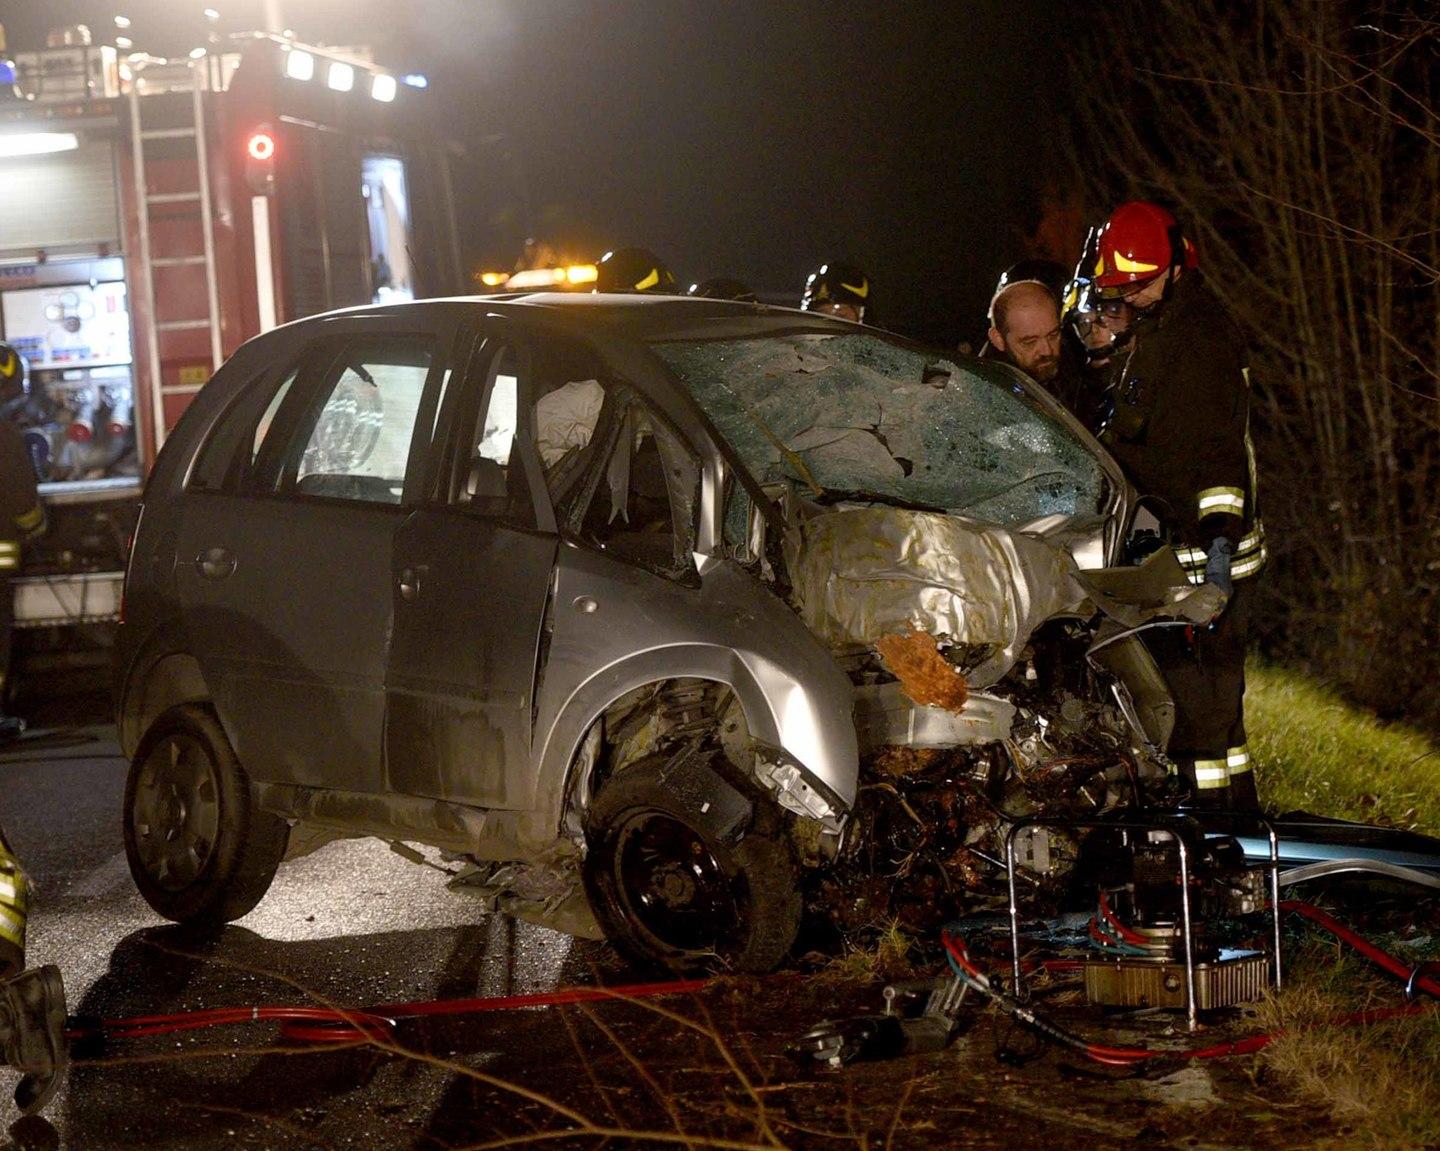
(1313, 751)
(1380, 1083)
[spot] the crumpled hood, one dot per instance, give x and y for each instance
(864, 573)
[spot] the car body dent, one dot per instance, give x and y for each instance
(730, 629)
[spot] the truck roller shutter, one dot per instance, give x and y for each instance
(66, 199)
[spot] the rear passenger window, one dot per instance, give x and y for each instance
(355, 442)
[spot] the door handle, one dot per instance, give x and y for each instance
(215, 563)
(409, 583)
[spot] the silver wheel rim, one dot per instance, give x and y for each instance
(176, 811)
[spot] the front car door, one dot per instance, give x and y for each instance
(283, 563)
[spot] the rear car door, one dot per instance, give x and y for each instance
(283, 565)
(471, 574)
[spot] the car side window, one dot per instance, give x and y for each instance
(491, 480)
(228, 457)
(352, 442)
(640, 488)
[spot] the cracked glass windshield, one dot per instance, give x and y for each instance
(856, 417)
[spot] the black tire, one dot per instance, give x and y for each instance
(668, 890)
(199, 849)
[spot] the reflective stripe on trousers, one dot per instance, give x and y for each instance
(14, 900)
(1211, 773)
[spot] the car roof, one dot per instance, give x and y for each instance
(640, 315)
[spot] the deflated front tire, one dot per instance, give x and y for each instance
(687, 871)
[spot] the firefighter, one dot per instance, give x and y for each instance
(22, 516)
(837, 290)
(32, 1003)
(1178, 422)
(633, 270)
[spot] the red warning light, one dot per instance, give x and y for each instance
(261, 146)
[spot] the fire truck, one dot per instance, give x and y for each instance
(158, 212)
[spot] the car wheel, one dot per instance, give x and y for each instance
(670, 889)
(199, 849)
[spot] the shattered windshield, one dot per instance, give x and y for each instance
(857, 417)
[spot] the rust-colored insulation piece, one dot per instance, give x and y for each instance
(924, 674)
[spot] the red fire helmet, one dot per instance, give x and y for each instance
(1138, 242)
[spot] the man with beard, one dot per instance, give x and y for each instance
(1025, 332)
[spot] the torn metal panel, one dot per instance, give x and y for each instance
(862, 574)
(1157, 588)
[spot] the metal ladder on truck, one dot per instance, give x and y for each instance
(169, 208)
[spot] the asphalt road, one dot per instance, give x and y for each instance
(351, 924)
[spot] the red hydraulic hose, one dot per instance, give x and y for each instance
(343, 1025)
(1126, 934)
(1382, 959)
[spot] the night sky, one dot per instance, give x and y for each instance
(746, 138)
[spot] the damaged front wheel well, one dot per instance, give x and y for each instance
(656, 717)
(679, 714)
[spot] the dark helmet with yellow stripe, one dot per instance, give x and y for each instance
(839, 289)
(1049, 274)
(14, 374)
(632, 270)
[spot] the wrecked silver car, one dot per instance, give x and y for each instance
(729, 612)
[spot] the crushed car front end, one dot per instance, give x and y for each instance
(928, 520)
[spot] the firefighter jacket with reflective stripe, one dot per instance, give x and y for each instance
(21, 513)
(1178, 422)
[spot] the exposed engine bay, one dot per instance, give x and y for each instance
(1012, 731)
(926, 838)
(982, 700)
